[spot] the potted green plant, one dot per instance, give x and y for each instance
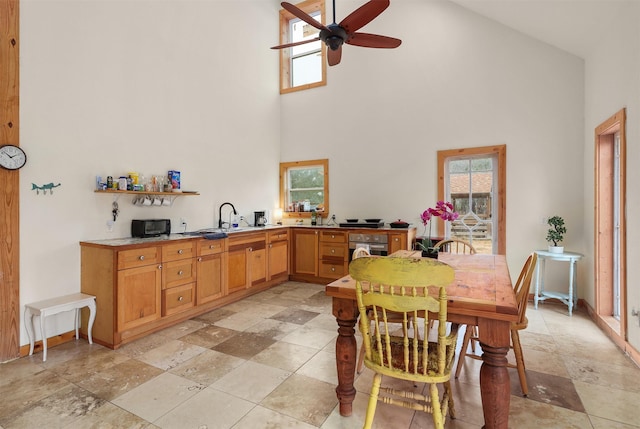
(555, 234)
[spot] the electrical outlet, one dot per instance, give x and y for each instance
(183, 221)
(110, 224)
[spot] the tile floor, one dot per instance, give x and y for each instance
(268, 362)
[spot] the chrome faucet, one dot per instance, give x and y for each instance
(220, 213)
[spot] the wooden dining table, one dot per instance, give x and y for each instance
(481, 294)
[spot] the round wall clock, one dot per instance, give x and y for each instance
(12, 157)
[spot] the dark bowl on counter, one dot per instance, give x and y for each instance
(399, 224)
(352, 220)
(373, 220)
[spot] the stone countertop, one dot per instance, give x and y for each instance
(129, 241)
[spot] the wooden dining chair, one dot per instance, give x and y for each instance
(521, 289)
(452, 245)
(403, 286)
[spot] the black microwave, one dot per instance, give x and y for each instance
(150, 227)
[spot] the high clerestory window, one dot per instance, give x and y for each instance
(302, 66)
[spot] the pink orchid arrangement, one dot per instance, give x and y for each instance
(443, 210)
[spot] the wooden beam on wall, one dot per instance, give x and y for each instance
(10, 180)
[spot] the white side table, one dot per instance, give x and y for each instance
(52, 306)
(570, 299)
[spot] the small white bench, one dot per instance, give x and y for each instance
(48, 307)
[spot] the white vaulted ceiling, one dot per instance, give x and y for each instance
(571, 25)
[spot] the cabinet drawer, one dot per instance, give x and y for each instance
(280, 235)
(333, 251)
(178, 273)
(211, 247)
(333, 270)
(333, 236)
(138, 257)
(178, 299)
(177, 251)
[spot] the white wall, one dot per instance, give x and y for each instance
(458, 80)
(613, 82)
(109, 87)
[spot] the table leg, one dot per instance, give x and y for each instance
(92, 318)
(572, 276)
(28, 324)
(537, 294)
(44, 336)
(494, 377)
(346, 314)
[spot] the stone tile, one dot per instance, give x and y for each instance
(293, 315)
(171, 354)
(88, 364)
(321, 366)
(600, 423)
(549, 389)
(323, 321)
(207, 367)
(272, 328)
(239, 321)
(286, 356)
(62, 408)
(609, 403)
(303, 398)
(525, 414)
(245, 345)
(108, 416)
(603, 374)
(141, 346)
(21, 393)
(119, 379)
(214, 315)
(209, 408)
(156, 397)
(251, 381)
(311, 337)
(263, 418)
(181, 329)
(209, 336)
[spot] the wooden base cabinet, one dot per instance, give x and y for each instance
(305, 252)
(138, 296)
(278, 254)
(211, 269)
(247, 261)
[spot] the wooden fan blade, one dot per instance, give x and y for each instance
(373, 41)
(289, 45)
(302, 15)
(334, 57)
(363, 15)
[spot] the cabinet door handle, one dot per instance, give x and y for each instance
(250, 249)
(270, 246)
(180, 298)
(333, 269)
(180, 252)
(211, 246)
(396, 239)
(333, 236)
(200, 259)
(333, 250)
(141, 257)
(180, 272)
(160, 266)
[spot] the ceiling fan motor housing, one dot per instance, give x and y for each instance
(334, 36)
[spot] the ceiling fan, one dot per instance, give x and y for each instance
(335, 35)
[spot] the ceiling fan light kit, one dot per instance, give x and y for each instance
(335, 35)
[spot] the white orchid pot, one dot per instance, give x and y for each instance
(556, 249)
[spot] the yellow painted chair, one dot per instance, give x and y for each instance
(402, 286)
(521, 289)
